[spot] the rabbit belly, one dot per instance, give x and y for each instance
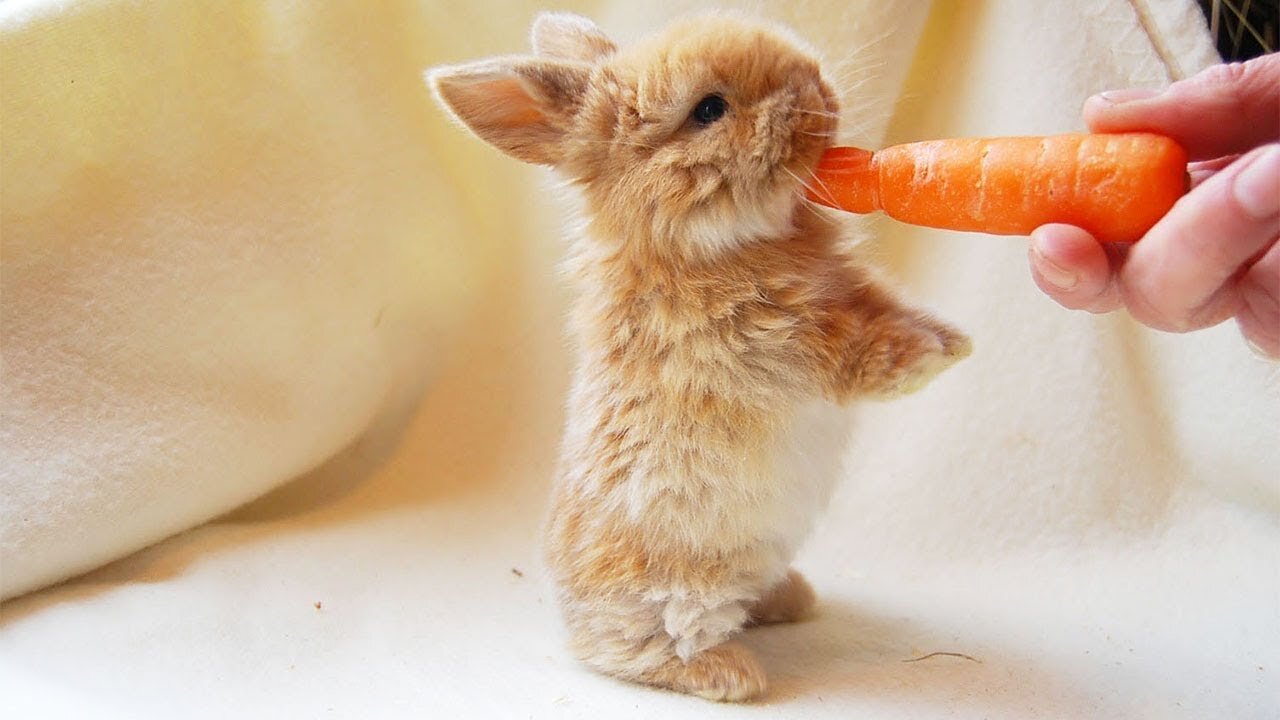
(808, 459)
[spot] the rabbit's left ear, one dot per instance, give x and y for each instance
(570, 37)
(522, 106)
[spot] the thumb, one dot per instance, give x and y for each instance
(1223, 110)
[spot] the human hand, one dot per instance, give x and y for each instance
(1215, 255)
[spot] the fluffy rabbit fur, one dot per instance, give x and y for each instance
(719, 326)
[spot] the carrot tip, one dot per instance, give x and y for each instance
(846, 180)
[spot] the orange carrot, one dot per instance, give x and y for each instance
(1114, 186)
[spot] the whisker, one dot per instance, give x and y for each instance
(870, 43)
(860, 69)
(826, 190)
(859, 83)
(820, 113)
(820, 211)
(859, 126)
(847, 89)
(800, 180)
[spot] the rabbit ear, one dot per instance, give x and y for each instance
(522, 106)
(571, 37)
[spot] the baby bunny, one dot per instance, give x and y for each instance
(718, 325)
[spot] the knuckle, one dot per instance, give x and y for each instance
(1223, 74)
(1236, 84)
(1233, 87)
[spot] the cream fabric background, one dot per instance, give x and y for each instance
(243, 234)
(232, 230)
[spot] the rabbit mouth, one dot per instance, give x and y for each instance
(798, 178)
(813, 130)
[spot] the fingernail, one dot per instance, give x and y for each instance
(1054, 274)
(1259, 351)
(1119, 97)
(1257, 186)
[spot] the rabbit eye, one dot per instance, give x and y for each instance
(709, 109)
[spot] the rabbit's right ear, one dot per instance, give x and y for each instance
(571, 37)
(522, 106)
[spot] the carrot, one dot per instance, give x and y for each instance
(1114, 186)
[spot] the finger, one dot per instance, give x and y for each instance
(1072, 268)
(1198, 172)
(1177, 277)
(1223, 110)
(1259, 315)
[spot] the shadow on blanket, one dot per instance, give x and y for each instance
(850, 651)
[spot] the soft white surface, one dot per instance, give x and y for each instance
(1089, 509)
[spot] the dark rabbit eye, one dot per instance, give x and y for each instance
(710, 109)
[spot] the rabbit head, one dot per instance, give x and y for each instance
(692, 141)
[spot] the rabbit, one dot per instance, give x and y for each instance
(720, 327)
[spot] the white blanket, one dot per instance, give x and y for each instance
(238, 237)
